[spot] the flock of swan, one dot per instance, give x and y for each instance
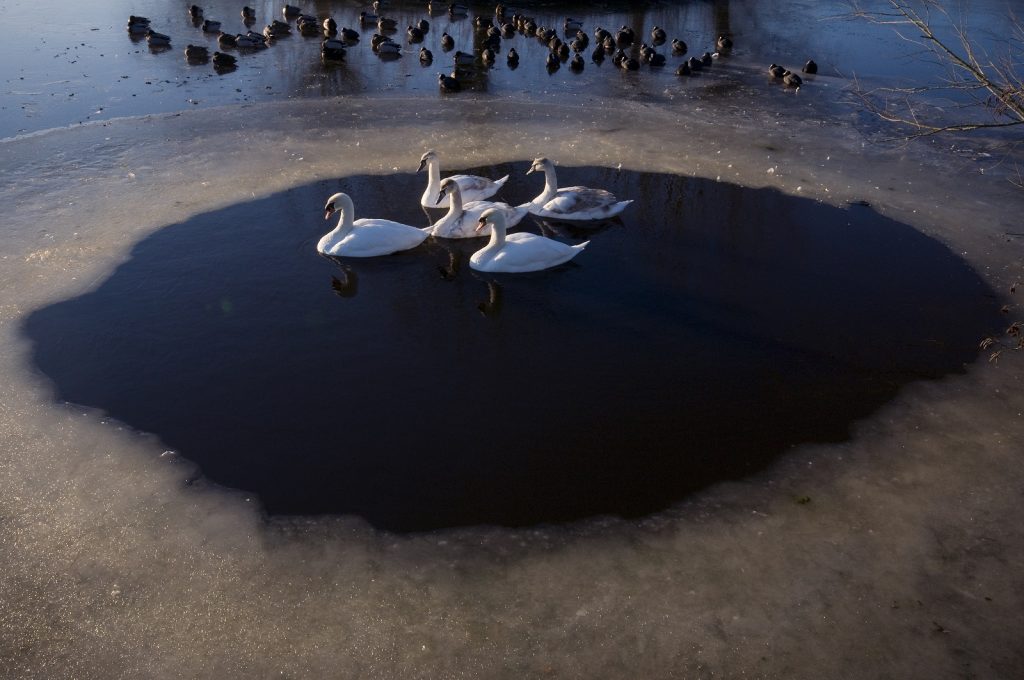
(471, 215)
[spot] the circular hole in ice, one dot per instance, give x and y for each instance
(710, 330)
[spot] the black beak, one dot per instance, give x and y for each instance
(423, 164)
(441, 194)
(328, 210)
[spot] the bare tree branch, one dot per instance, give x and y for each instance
(969, 71)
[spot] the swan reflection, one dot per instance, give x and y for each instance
(491, 307)
(347, 285)
(574, 230)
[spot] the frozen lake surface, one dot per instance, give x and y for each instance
(831, 289)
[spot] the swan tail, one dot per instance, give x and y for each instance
(516, 215)
(617, 208)
(499, 183)
(581, 246)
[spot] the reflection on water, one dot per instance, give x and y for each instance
(346, 285)
(708, 331)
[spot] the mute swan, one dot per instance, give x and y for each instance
(473, 187)
(461, 219)
(365, 237)
(518, 252)
(571, 203)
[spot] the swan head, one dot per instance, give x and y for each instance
(493, 217)
(539, 165)
(448, 186)
(429, 155)
(331, 206)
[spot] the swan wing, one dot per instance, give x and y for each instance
(465, 225)
(477, 188)
(524, 252)
(373, 237)
(582, 203)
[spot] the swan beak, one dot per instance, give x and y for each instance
(328, 210)
(423, 164)
(441, 194)
(532, 168)
(480, 224)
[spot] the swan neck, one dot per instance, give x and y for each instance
(497, 237)
(454, 202)
(550, 184)
(346, 217)
(433, 177)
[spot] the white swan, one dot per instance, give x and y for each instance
(518, 252)
(571, 203)
(461, 219)
(474, 187)
(365, 237)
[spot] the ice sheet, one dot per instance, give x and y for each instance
(892, 555)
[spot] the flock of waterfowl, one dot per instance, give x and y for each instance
(491, 31)
(471, 215)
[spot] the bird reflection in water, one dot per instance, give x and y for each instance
(347, 285)
(491, 307)
(457, 254)
(574, 230)
(451, 270)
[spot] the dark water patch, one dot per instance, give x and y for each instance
(706, 332)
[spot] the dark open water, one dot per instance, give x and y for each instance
(708, 331)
